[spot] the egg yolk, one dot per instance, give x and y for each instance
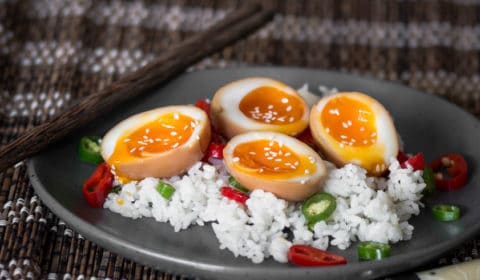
(352, 123)
(271, 159)
(167, 132)
(270, 105)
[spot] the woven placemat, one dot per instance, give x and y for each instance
(53, 52)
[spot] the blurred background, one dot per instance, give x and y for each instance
(53, 52)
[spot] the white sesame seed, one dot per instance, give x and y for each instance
(260, 170)
(278, 159)
(276, 168)
(349, 122)
(307, 171)
(267, 148)
(141, 143)
(365, 141)
(343, 136)
(362, 128)
(284, 100)
(126, 140)
(236, 159)
(176, 116)
(132, 150)
(167, 126)
(291, 119)
(303, 181)
(334, 112)
(147, 131)
(344, 124)
(175, 145)
(141, 148)
(270, 107)
(289, 108)
(373, 134)
(342, 145)
(269, 158)
(197, 137)
(193, 124)
(252, 153)
(287, 154)
(145, 137)
(173, 133)
(296, 163)
(327, 130)
(312, 159)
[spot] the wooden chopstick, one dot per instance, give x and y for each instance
(173, 62)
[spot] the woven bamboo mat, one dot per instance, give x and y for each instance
(53, 52)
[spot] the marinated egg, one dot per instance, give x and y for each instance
(352, 127)
(258, 104)
(276, 163)
(159, 143)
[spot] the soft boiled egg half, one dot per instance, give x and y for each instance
(159, 143)
(258, 104)
(276, 163)
(352, 127)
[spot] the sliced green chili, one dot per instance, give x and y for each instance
(116, 189)
(446, 212)
(318, 207)
(371, 250)
(165, 190)
(429, 180)
(89, 149)
(234, 183)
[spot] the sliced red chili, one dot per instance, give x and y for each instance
(455, 167)
(204, 104)
(234, 194)
(306, 137)
(96, 188)
(402, 157)
(305, 255)
(215, 150)
(417, 162)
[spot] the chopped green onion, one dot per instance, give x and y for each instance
(165, 190)
(429, 180)
(318, 207)
(116, 189)
(371, 250)
(446, 212)
(234, 183)
(89, 149)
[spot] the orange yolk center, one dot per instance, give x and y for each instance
(272, 159)
(167, 132)
(271, 106)
(350, 122)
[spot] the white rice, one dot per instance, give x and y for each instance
(368, 208)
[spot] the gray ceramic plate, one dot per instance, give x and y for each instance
(426, 123)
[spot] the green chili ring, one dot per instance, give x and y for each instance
(234, 183)
(165, 190)
(446, 212)
(89, 149)
(318, 207)
(371, 250)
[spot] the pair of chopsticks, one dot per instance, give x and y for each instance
(173, 62)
